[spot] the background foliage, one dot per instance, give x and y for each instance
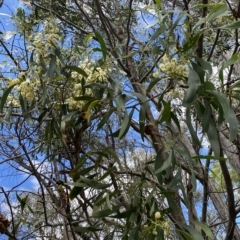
(125, 115)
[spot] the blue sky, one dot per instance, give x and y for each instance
(8, 176)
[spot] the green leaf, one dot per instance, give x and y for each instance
(22, 201)
(105, 212)
(208, 85)
(190, 127)
(120, 103)
(126, 214)
(213, 138)
(134, 234)
(90, 107)
(5, 96)
(204, 228)
(209, 157)
(109, 171)
(206, 116)
(88, 36)
(87, 229)
(236, 85)
(76, 69)
(193, 83)
(102, 44)
(93, 184)
(175, 119)
(166, 114)
(75, 192)
(142, 118)
(69, 116)
(199, 71)
(193, 181)
(125, 124)
(156, 50)
(184, 234)
(233, 125)
(8, 114)
(84, 98)
(195, 234)
(153, 83)
(205, 65)
(166, 163)
(230, 61)
(52, 66)
(229, 114)
(185, 153)
(158, 165)
(109, 236)
(234, 25)
(217, 11)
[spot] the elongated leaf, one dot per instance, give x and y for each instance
(193, 83)
(8, 114)
(120, 103)
(205, 65)
(52, 67)
(105, 212)
(234, 25)
(229, 114)
(153, 83)
(184, 234)
(194, 233)
(190, 127)
(105, 118)
(83, 98)
(22, 201)
(166, 114)
(5, 96)
(200, 72)
(204, 228)
(90, 107)
(69, 116)
(166, 164)
(126, 214)
(109, 236)
(213, 138)
(142, 118)
(186, 154)
(230, 61)
(109, 171)
(175, 120)
(125, 124)
(8, 34)
(87, 229)
(217, 11)
(233, 124)
(209, 157)
(158, 165)
(102, 44)
(76, 69)
(206, 116)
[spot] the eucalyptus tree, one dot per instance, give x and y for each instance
(119, 109)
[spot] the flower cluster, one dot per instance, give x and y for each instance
(45, 42)
(172, 67)
(77, 91)
(159, 222)
(95, 74)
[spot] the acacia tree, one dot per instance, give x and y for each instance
(110, 106)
